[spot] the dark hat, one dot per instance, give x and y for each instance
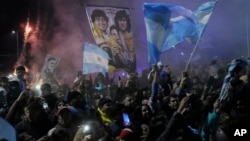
(72, 95)
(45, 86)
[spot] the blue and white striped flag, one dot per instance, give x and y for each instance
(164, 32)
(158, 28)
(94, 59)
(203, 14)
(156, 18)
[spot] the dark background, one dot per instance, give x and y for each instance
(13, 17)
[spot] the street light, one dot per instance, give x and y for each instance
(17, 45)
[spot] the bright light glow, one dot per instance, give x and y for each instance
(182, 53)
(86, 128)
(123, 74)
(10, 76)
(27, 32)
(38, 86)
(28, 29)
(13, 31)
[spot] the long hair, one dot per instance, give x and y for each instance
(122, 14)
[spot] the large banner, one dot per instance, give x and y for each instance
(47, 75)
(49, 65)
(111, 28)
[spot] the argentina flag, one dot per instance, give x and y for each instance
(94, 59)
(203, 14)
(161, 35)
(164, 31)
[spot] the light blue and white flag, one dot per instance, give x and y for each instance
(94, 59)
(158, 28)
(156, 18)
(203, 14)
(164, 31)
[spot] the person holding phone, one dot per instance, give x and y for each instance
(35, 123)
(128, 102)
(91, 130)
(142, 115)
(65, 122)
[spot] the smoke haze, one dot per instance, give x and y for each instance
(63, 28)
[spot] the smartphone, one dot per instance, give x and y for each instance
(126, 120)
(45, 106)
(119, 78)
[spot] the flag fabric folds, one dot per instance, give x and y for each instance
(203, 14)
(157, 18)
(164, 32)
(94, 59)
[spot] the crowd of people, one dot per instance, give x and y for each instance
(161, 104)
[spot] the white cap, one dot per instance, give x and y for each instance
(159, 64)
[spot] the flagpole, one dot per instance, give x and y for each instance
(196, 44)
(190, 58)
(247, 36)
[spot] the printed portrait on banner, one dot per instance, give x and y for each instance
(47, 75)
(111, 28)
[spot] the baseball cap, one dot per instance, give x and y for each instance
(59, 111)
(126, 133)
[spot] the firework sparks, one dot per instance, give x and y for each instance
(28, 30)
(27, 33)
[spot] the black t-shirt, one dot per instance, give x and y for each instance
(51, 99)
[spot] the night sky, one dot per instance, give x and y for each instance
(13, 17)
(60, 28)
